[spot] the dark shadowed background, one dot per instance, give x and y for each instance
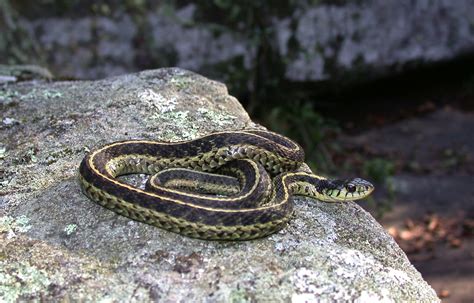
(380, 89)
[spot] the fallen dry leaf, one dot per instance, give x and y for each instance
(433, 223)
(393, 231)
(423, 235)
(444, 293)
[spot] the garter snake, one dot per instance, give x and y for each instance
(267, 167)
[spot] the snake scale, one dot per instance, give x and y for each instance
(261, 171)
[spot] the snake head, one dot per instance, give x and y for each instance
(346, 190)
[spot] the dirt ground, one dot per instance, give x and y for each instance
(432, 208)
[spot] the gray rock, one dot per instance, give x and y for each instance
(56, 244)
(13, 73)
(315, 40)
(378, 36)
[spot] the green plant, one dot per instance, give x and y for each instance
(302, 123)
(380, 171)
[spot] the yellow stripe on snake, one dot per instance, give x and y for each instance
(261, 171)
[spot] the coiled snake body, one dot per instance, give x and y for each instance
(254, 205)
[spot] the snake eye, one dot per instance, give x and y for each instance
(350, 187)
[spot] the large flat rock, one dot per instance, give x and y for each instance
(56, 244)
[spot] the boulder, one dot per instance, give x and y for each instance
(55, 244)
(310, 41)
